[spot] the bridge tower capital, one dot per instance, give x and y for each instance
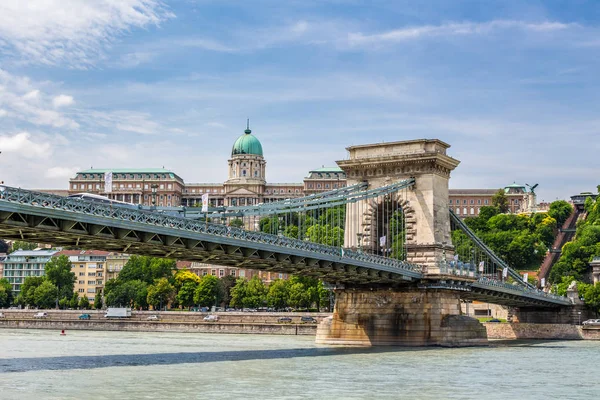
(428, 221)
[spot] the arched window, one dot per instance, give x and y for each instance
(465, 210)
(243, 172)
(472, 211)
(457, 210)
(255, 173)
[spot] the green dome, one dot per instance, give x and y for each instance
(247, 144)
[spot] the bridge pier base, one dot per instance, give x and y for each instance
(411, 317)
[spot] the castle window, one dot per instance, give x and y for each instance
(243, 172)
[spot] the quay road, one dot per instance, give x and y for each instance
(170, 321)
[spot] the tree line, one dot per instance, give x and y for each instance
(522, 240)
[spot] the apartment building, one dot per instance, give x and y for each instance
(21, 264)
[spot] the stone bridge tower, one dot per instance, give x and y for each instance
(426, 204)
(406, 314)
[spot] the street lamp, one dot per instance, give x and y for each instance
(579, 315)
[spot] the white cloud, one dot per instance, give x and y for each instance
(21, 99)
(61, 172)
(216, 125)
(23, 145)
(452, 29)
(62, 100)
(71, 32)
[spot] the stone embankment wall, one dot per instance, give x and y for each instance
(231, 322)
(541, 331)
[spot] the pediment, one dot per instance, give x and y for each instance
(241, 192)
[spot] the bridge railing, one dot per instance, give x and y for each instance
(524, 289)
(125, 213)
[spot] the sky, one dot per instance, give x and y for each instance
(512, 86)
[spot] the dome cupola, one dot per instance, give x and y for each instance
(247, 144)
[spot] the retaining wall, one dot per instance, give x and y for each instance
(541, 331)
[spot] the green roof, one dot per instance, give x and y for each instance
(127, 171)
(328, 169)
(247, 144)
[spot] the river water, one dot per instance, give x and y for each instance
(41, 364)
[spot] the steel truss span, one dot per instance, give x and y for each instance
(46, 218)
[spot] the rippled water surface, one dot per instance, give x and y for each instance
(41, 364)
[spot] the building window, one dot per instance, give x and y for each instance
(465, 210)
(472, 211)
(233, 272)
(478, 201)
(162, 186)
(221, 273)
(457, 211)
(485, 201)
(465, 202)
(472, 201)
(170, 186)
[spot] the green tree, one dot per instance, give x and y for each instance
(185, 295)
(591, 296)
(160, 294)
(131, 293)
(4, 247)
(58, 272)
(84, 303)
(6, 296)
(45, 295)
(22, 245)
(147, 269)
(63, 303)
(299, 296)
(28, 289)
(560, 211)
(236, 223)
(256, 293)
(500, 201)
(74, 301)
(238, 293)
(207, 291)
(278, 295)
(98, 300)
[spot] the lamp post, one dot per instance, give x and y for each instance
(579, 316)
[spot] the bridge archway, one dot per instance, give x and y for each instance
(425, 204)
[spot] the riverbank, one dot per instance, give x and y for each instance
(170, 321)
(254, 323)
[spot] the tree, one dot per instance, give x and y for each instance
(185, 295)
(560, 211)
(147, 269)
(207, 292)
(28, 289)
(131, 293)
(236, 223)
(45, 295)
(22, 245)
(278, 295)
(161, 293)
(58, 272)
(185, 275)
(74, 301)
(84, 303)
(63, 303)
(256, 293)
(500, 201)
(6, 296)
(299, 297)
(98, 300)
(238, 293)
(3, 247)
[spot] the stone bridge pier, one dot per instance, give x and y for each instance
(405, 314)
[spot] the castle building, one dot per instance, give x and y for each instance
(246, 182)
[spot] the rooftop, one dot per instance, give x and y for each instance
(327, 169)
(84, 253)
(127, 171)
(33, 253)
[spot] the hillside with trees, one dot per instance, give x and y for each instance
(521, 240)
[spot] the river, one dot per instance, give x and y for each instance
(41, 364)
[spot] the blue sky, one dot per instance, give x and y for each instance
(513, 86)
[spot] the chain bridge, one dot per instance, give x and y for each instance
(384, 242)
